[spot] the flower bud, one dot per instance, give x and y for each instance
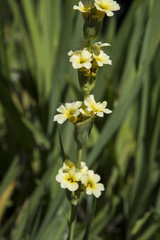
(91, 29)
(82, 130)
(86, 80)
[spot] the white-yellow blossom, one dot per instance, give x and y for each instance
(107, 6)
(102, 58)
(82, 8)
(67, 165)
(80, 59)
(91, 183)
(69, 179)
(96, 108)
(67, 111)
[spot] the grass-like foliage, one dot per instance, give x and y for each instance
(124, 147)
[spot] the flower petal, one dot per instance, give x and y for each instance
(107, 111)
(60, 118)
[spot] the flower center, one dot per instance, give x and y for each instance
(94, 107)
(106, 6)
(70, 113)
(70, 180)
(82, 60)
(86, 8)
(90, 185)
(98, 58)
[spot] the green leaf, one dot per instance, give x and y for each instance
(39, 136)
(90, 219)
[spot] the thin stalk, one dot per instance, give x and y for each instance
(89, 46)
(86, 94)
(72, 221)
(74, 208)
(79, 156)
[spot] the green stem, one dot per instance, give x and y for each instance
(79, 156)
(89, 45)
(74, 208)
(72, 221)
(86, 94)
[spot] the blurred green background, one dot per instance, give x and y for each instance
(124, 147)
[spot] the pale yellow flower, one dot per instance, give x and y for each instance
(82, 8)
(80, 59)
(102, 58)
(107, 6)
(96, 47)
(91, 183)
(67, 165)
(96, 108)
(69, 179)
(67, 111)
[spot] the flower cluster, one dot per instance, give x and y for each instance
(80, 111)
(82, 179)
(94, 58)
(97, 8)
(87, 60)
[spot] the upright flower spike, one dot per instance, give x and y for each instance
(75, 176)
(96, 108)
(68, 111)
(91, 183)
(107, 6)
(80, 59)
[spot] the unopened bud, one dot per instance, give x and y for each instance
(91, 29)
(86, 81)
(82, 130)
